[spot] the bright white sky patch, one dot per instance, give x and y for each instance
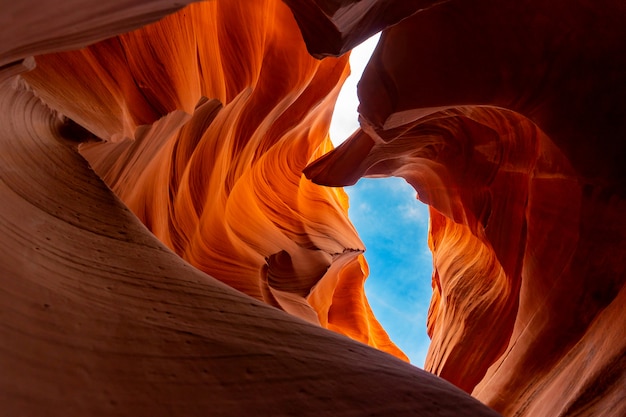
(345, 118)
(393, 225)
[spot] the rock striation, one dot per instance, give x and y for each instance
(100, 318)
(219, 180)
(156, 218)
(508, 120)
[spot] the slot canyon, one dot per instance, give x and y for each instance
(175, 237)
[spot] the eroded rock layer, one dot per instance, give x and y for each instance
(100, 318)
(508, 119)
(219, 179)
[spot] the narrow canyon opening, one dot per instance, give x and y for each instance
(393, 225)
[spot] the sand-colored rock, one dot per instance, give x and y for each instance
(29, 27)
(98, 317)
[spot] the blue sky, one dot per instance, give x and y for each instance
(393, 225)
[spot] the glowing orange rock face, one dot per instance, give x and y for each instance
(508, 120)
(99, 318)
(468, 194)
(220, 180)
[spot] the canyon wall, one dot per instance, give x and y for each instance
(509, 121)
(144, 172)
(207, 148)
(100, 318)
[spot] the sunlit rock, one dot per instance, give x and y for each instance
(100, 318)
(509, 120)
(155, 217)
(220, 180)
(201, 124)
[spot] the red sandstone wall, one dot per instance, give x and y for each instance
(220, 180)
(100, 318)
(508, 119)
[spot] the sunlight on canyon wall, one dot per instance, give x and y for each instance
(515, 141)
(220, 180)
(211, 125)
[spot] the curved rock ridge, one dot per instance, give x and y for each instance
(508, 120)
(474, 166)
(219, 179)
(31, 27)
(332, 28)
(100, 318)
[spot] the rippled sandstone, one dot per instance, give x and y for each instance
(507, 119)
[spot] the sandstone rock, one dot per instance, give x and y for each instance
(508, 119)
(100, 318)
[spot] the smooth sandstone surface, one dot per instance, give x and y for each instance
(29, 27)
(100, 318)
(508, 120)
(219, 179)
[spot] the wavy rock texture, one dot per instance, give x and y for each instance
(30, 27)
(98, 317)
(509, 120)
(220, 180)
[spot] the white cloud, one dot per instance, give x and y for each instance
(400, 186)
(416, 213)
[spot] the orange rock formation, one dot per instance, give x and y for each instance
(220, 180)
(507, 119)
